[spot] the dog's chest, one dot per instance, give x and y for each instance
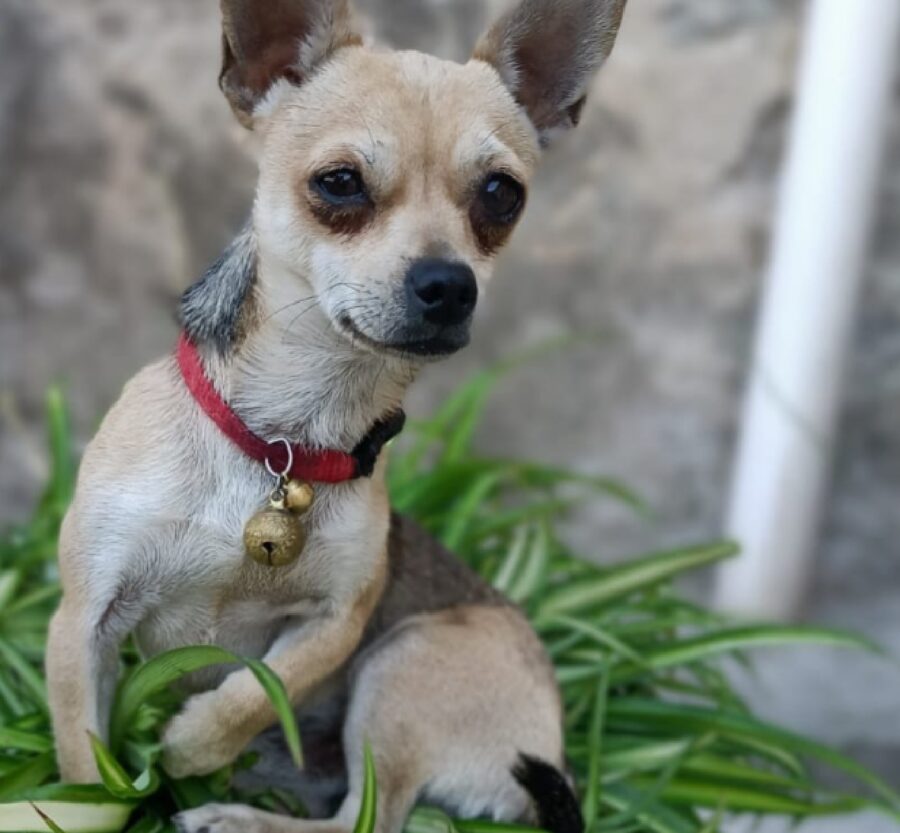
(226, 599)
(209, 591)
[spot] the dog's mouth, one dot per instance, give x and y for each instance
(435, 347)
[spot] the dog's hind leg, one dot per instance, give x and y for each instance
(395, 800)
(460, 709)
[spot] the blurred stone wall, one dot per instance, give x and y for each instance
(122, 174)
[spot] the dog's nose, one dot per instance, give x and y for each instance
(443, 292)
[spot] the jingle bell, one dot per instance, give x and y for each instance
(298, 496)
(274, 537)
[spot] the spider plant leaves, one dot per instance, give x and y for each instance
(743, 799)
(728, 641)
(51, 825)
(69, 817)
(591, 803)
(523, 571)
(30, 774)
(117, 780)
(150, 824)
(679, 717)
(648, 811)
(578, 630)
(586, 595)
(163, 670)
(464, 509)
(73, 808)
(22, 741)
(155, 675)
(29, 678)
(10, 581)
(368, 809)
(432, 820)
(281, 703)
(62, 468)
(655, 730)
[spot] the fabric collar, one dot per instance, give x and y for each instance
(309, 464)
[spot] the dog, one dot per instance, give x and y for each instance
(389, 182)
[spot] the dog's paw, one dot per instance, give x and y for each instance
(199, 739)
(219, 818)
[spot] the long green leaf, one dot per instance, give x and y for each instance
(25, 741)
(685, 717)
(29, 678)
(165, 669)
(71, 817)
(29, 775)
(117, 780)
(281, 703)
(10, 580)
(619, 582)
(62, 470)
(466, 505)
(51, 825)
(367, 817)
(655, 816)
(731, 640)
(694, 793)
(591, 804)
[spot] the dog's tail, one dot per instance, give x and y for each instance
(557, 807)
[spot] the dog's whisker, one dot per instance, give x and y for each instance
(286, 307)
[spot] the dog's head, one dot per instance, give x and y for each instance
(390, 180)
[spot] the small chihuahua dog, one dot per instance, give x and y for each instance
(388, 183)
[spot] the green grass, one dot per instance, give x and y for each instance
(659, 739)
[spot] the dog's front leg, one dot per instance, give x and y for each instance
(82, 658)
(213, 728)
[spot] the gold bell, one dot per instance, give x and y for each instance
(275, 537)
(298, 496)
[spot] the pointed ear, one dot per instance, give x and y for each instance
(267, 41)
(547, 52)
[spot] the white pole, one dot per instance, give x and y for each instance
(809, 303)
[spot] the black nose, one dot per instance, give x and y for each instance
(443, 292)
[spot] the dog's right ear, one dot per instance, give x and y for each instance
(271, 42)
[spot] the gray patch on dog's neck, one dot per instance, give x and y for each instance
(211, 309)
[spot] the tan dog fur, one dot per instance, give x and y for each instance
(448, 693)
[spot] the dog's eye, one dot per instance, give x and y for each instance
(502, 197)
(341, 186)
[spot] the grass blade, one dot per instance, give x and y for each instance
(692, 718)
(733, 640)
(40, 816)
(165, 669)
(619, 582)
(591, 803)
(28, 676)
(24, 741)
(368, 810)
(29, 775)
(51, 825)
(116, 779)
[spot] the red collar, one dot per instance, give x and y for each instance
(312, 465)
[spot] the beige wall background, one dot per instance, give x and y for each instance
(122, 175)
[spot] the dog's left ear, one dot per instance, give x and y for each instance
(547, 52)
(265, 42)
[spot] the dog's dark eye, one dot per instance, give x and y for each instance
(502, 198)
(341, 186)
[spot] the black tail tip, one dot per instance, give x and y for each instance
(558, 809)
